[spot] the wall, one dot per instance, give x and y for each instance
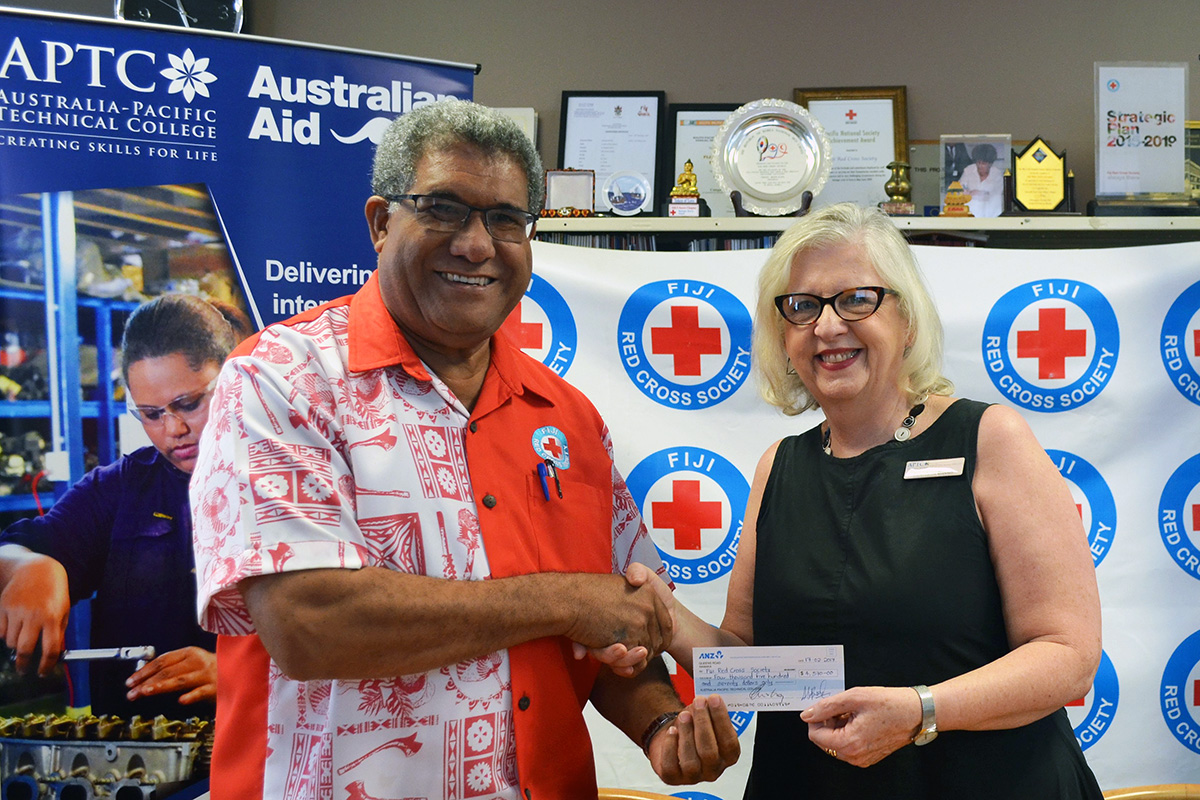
(1021, 67)
(976, 68)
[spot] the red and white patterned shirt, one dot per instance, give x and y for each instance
(326, 450)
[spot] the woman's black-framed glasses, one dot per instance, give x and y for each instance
(444, 215)
(849, 304)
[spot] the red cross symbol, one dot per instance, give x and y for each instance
(1196, 693)
(1113, 85)
(525, 335)
(851, 115)
(685, 340)
(1051, 344)
(1076, 703)
(551, 446)
(684, 685)
(1196, 341)
(1196, 519)
(686, 514)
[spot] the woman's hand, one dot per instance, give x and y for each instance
(192, 670)
(33, 607)
(864, 725)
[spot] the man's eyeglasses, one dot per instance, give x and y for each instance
(849, 304)
(189, 409)
(449, 216)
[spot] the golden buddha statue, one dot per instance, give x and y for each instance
(685, 185)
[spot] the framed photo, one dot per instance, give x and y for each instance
(868, 126)
(977, 162)
(1191, 164)
(694, 128)
(614, 132)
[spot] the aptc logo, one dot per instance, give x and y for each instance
(1051, 345)
(1180, 343)
(1097, 507)
(189, 75)
(1179, 516)
(685, 344)
(1098, 706)
(1179, 694)
(542, 325)
(693, 501)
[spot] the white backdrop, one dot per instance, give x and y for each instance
(1108, 339)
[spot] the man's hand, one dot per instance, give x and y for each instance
(698, 746)
(191, 670)
(608, 610)
(34, 606)
(621, 659)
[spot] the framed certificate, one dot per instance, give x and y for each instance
(868, 127)
(614, 132)
(694, 127)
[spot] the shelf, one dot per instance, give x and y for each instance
(732, 226)
(1041, 232)
(33, 409)
(23, 502)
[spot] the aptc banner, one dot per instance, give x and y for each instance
(1098, 349)
(279, 134)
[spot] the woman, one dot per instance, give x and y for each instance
(971, 577)
(984, 182)
(124, 531)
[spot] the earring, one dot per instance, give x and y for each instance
(791, 370)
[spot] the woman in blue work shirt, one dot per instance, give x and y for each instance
(124, 532)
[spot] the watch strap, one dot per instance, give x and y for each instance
(658, 723)
(928, 731)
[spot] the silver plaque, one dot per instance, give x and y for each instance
(772, 151)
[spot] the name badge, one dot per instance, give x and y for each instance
(937, 468)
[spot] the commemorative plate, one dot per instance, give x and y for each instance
(628, 192)
(772, 151)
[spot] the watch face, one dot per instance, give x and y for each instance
(212, 15)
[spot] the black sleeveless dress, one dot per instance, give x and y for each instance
(897, 571)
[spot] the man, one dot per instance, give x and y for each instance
(420, 523)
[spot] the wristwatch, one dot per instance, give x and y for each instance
(928, 731)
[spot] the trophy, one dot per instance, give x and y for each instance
(685, 195)
(957, 202)
(771, 157)
(899, 191)
(1040, 182)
